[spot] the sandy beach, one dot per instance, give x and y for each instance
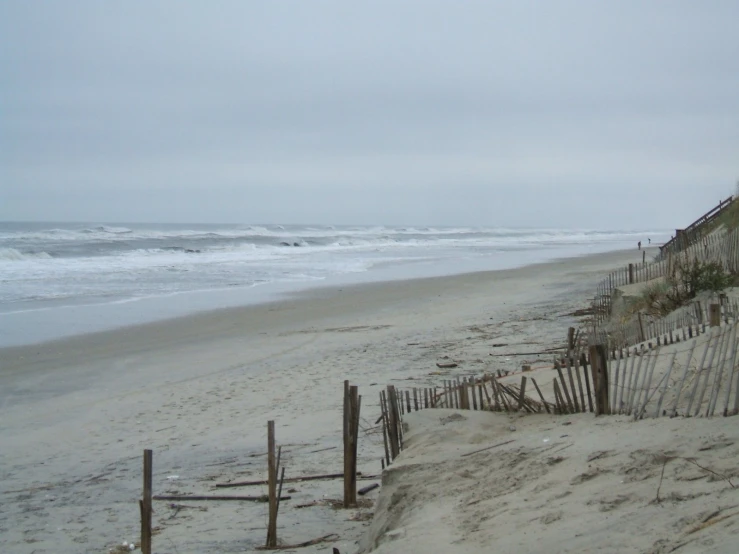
(76, 414)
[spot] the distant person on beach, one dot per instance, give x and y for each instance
(639, 244)
(650, 241)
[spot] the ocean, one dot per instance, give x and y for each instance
(59, 279)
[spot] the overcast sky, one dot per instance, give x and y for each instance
(550, 113)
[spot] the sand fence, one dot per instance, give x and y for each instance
(691, 374)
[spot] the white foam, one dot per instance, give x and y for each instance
(13, 255)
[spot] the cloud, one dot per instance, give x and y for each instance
(328, 112)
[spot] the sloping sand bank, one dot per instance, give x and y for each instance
(565, 484)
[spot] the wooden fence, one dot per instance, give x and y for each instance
(699, 379)
(720, 247)
(694, 232)
(688, 321)
(575, 389)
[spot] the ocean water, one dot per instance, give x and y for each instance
(62, 279)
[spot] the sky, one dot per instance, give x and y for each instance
(618, 114)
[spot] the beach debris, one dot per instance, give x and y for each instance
(361, 516)
(319, 540)
(172, 477)
(322, 449)
(183, 498)
(488, 448)
(446, 365)
(290, 480)
(541, 353)
(452, 418)
(368, 488)
(178, 507)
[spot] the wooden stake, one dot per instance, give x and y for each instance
(673, 410)
(614, 396)
(664, 389)
(538, 390)
(572, 387)
(346, 440)
(145, 503)
(643, 391)
(579, 384)
(715, 315)
(484, 389)
(563, 385)
(558, 399)
(522, 393)
(356, 405)
(464, 399)
(394, 422)
(599, 365)
(584, 363)
(713, 398)
(699, 373)
(494, 385)
(719, 346)
(629, 387)
(383, 408)
(272, 478)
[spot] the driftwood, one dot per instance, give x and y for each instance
(488, 448)
(368, 488)
(543, 352)
(319, 540)
(290, 480)
(446, 365)
(176, 498)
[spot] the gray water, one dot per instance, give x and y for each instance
(63, 279)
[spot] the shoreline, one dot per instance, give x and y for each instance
(76, 413)
(59, 320)
(323, 290)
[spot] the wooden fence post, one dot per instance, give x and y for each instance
(631, 274)
(272, 486)
(642, 337)
(346, 438)
(715, 315)
(393, 422)
(599, 367)
(145, 503)
(522, 393)
(352, 402)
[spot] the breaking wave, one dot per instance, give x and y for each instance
(13, 255)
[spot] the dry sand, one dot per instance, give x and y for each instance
(76, 414)
(565, 484)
